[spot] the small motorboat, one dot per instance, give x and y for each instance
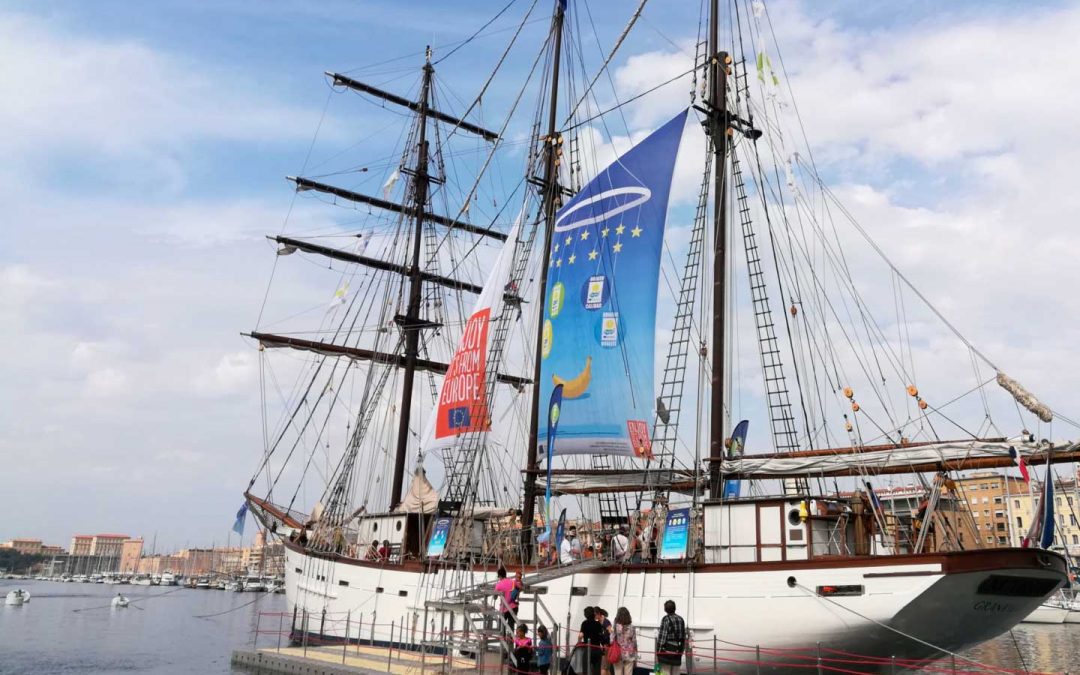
(120, 601)
(17, 598)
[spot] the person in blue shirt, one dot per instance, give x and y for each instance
(544, 650)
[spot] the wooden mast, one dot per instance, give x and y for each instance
(410, 322)
(550, 203)
(718, 131)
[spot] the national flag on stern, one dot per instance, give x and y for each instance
(1041, 532)
(241, 517)
(1019, 461)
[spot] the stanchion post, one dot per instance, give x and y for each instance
(819, 658)
(757, 658)
(255, 640)
(892, 665)
(292, 626)
(304, 630)
(322, 625)
(359, 633)
(390, 648)
(280, 620)
(954, 664)
(345, 644)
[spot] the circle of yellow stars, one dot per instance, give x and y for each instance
(616, 247)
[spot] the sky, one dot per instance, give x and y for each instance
(145, 150)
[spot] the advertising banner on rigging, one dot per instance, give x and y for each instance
(463, 406)
(600, 304)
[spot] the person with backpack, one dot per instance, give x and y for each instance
(508, 590)
(670, 641)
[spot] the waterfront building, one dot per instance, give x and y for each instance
(991, 497)
(130, 552)
(81, 544)
(24, 546)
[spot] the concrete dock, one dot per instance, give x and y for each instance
(354, 659)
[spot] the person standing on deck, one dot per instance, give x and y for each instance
(620, 545)
(670, 641)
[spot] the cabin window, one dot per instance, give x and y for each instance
(374, 527)
(579, 590)
(299, 571)
(378, 589)
(403, 594)
(399, 526)
(342, 582)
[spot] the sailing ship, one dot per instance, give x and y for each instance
(541, 395)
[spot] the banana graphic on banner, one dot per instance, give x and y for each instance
(575, 387)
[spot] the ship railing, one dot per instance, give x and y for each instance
(352, 635)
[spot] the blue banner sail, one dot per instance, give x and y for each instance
(732, 488)
(600, 310)
(554, 407)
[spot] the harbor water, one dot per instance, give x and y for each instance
(71, 628)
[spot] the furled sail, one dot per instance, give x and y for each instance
(462, 406)
(600, 309)
(943, 455)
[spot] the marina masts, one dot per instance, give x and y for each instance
(550, 203)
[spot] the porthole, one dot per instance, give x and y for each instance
(374, 527)
(399, 526)
(793, 517)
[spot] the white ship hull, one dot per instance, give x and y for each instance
(949, 600)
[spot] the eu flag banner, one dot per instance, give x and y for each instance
(676, 535)
(599, 318)
(241, 517)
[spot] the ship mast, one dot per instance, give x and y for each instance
(550, 190)
(410, 323)
(718, 130)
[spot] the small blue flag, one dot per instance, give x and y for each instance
(241, 516)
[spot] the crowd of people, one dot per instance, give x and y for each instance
(604, 647)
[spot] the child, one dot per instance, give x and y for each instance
(544, 650)
(523, 649)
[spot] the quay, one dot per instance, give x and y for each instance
(356, 659)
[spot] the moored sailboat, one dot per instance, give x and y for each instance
(584, 260)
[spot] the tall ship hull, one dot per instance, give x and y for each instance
(915, 606)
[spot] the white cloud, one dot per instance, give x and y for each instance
(64, 90)
(234, 372)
